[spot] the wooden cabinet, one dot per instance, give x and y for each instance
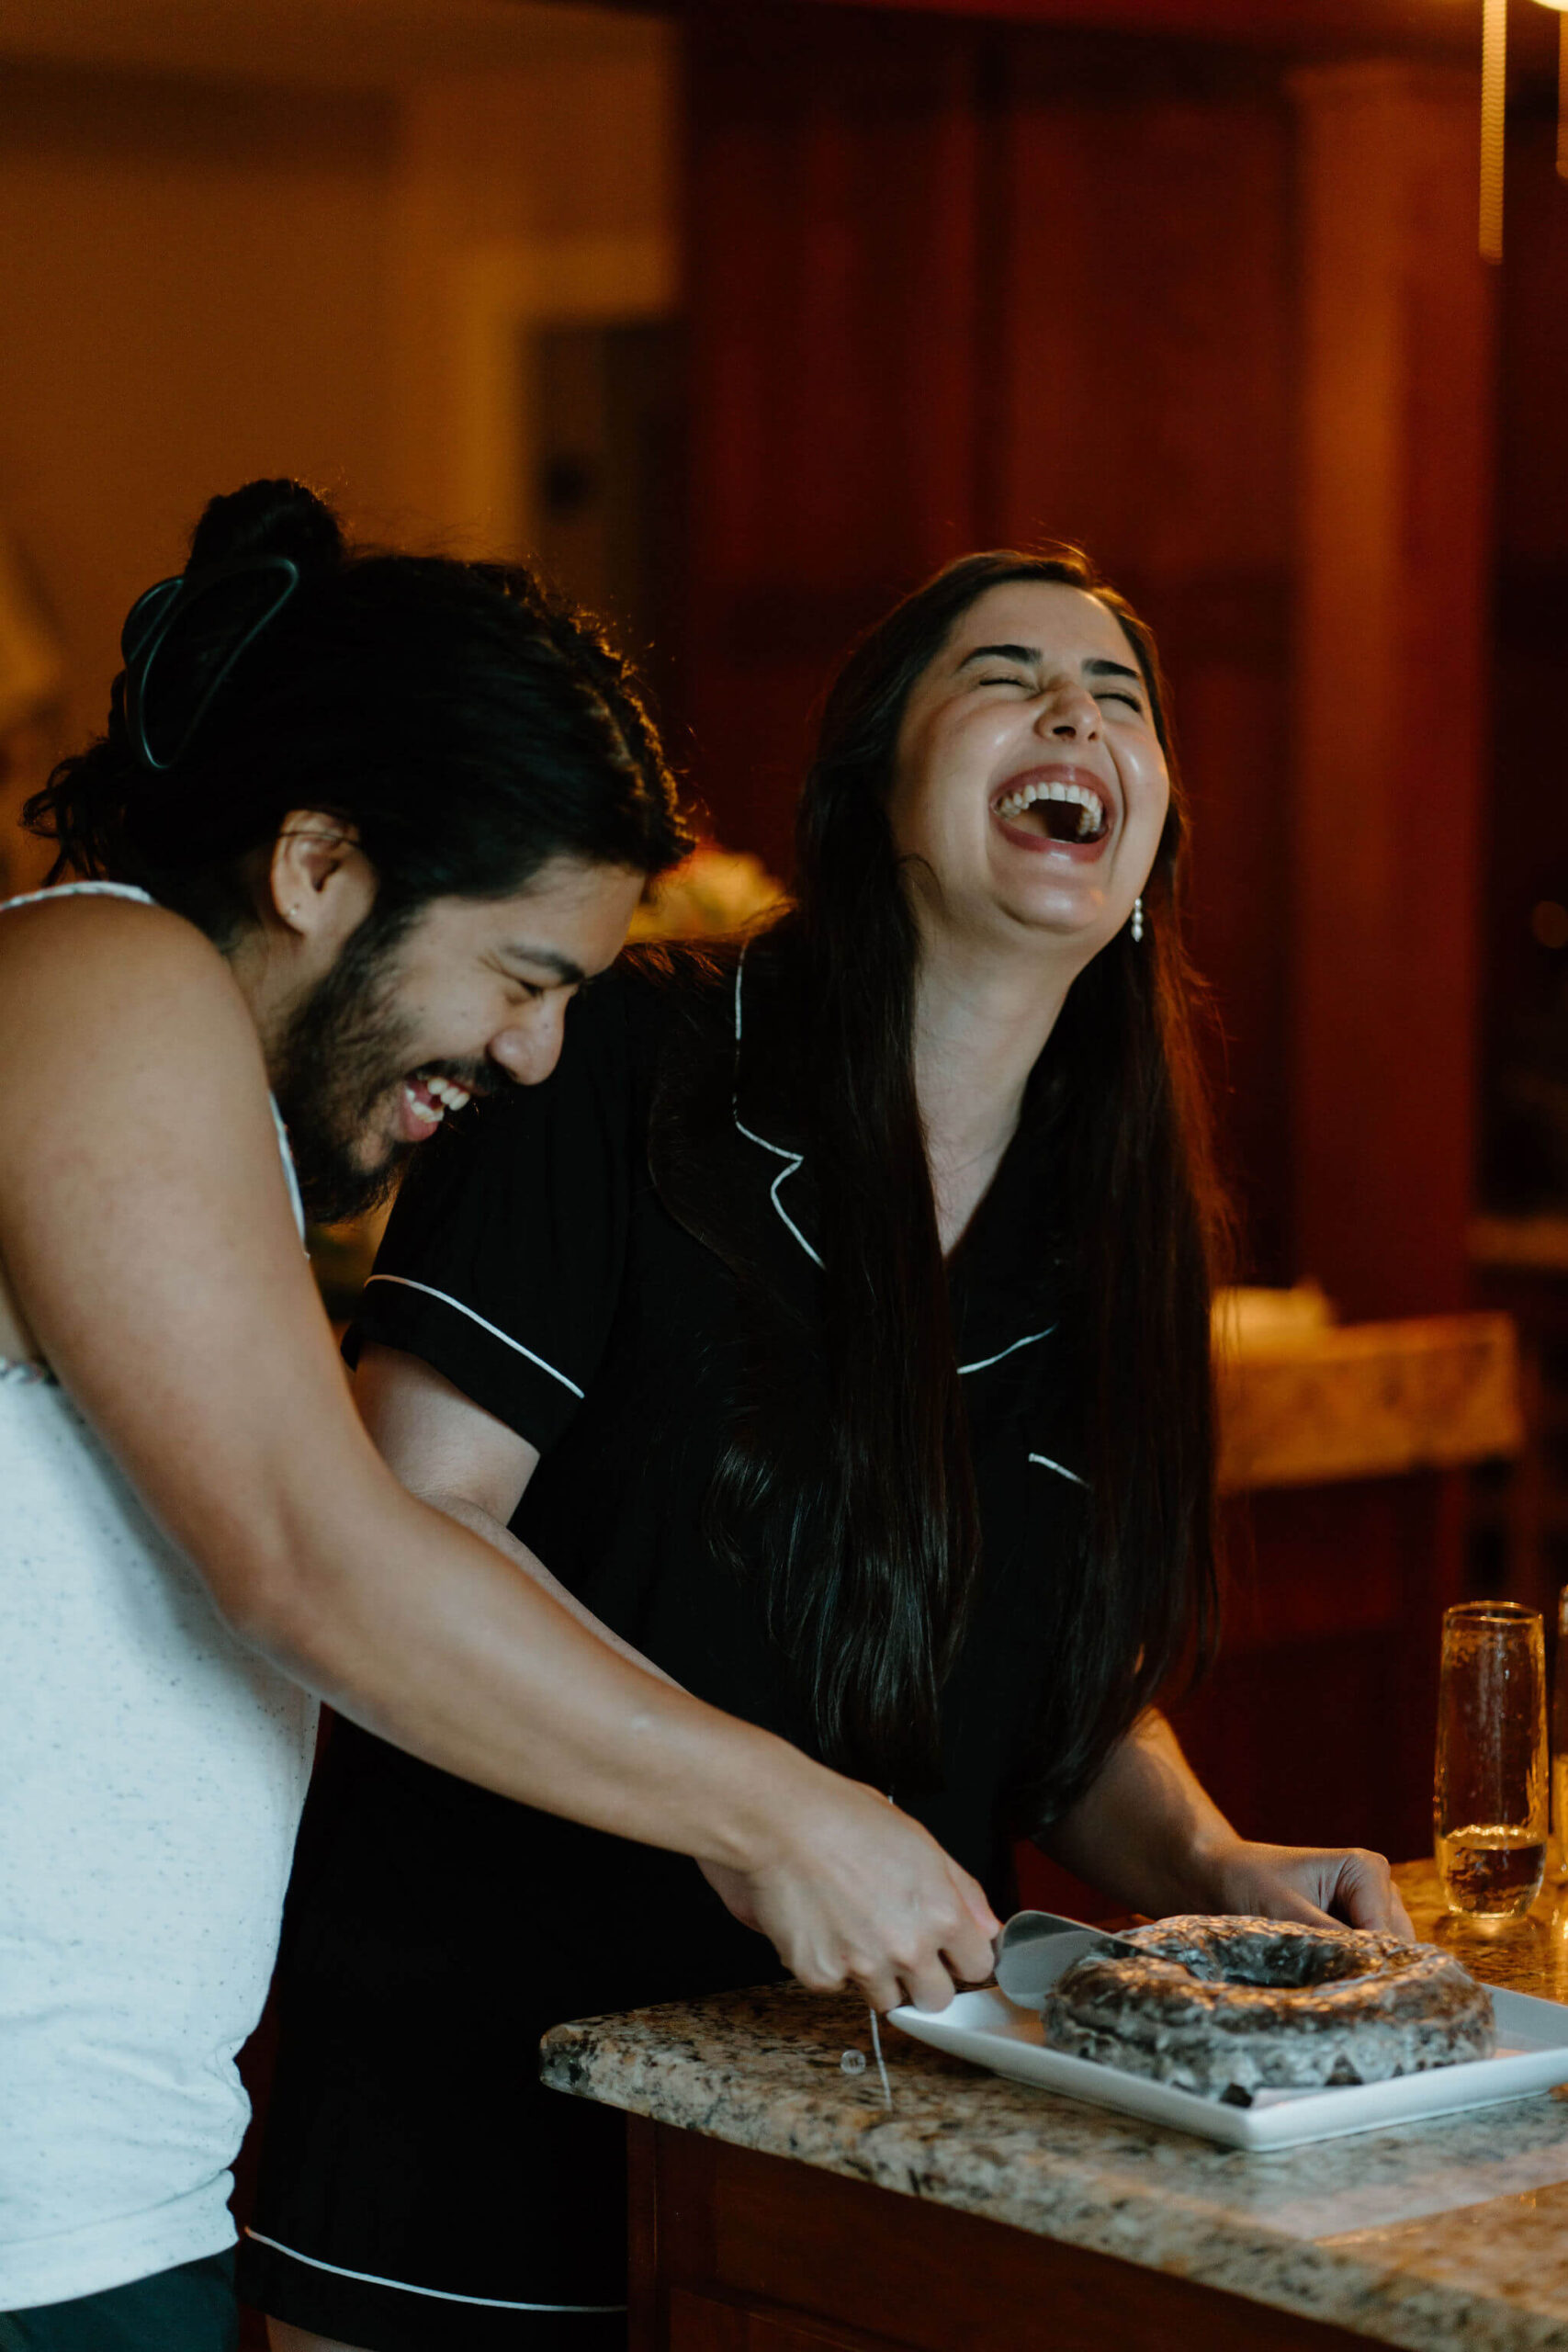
(732, 2251)
(705, 2324)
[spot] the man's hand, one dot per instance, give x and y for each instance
(842, 1884)
(855, 1892)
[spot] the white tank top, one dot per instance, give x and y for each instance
(152, 1775)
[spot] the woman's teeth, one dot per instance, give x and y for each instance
(1089, 804)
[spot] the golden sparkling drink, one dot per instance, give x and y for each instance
(1560, 1667)
(1492, 1791)
(1492, 1871)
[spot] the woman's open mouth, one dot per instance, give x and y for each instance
(1048, 811)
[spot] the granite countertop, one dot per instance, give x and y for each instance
(1303, 1405)
(1447, 2233)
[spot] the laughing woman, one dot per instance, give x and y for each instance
(833, 1328)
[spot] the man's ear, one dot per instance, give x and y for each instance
(320, 880)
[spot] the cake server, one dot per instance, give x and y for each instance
(1037, 1947)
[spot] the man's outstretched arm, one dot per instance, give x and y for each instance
(145, 1233)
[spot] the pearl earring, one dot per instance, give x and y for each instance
(1137, 918)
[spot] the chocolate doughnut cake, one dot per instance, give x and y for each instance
(1228, 2007)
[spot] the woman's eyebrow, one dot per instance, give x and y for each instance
(1000, 653)
(1096, 666)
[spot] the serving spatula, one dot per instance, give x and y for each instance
(1037, 1947)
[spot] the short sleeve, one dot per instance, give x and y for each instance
(502, 1264)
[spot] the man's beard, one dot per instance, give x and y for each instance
(346, 1049)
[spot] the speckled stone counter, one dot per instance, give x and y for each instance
(1452, 2233)
(1368, 1400)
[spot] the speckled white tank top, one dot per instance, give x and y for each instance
(151, 1776)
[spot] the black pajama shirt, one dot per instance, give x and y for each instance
(420, 2188)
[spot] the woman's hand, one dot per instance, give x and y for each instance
(1149, 1834)
(1318, 1884)
(855, 1892)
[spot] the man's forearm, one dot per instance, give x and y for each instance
(1147, 1833)
(414, 1627)
(490, 1530)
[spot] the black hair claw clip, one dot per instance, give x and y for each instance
(170, 604)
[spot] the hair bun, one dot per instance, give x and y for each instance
(268, 518)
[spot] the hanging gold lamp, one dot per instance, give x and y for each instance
(1493, 97)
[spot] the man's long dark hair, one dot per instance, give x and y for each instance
(468, 725)
(867, 1520)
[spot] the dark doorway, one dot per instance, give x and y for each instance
(609, 407)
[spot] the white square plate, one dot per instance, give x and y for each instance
(1533, 2055)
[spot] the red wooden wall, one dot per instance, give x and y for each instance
(953, 289)
(956, 284)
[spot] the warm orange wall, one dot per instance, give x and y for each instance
(192, 291)
(500, 172)
(203, 280)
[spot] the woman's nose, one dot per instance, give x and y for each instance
(1069, 714)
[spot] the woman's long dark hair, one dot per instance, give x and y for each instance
(869, 1525)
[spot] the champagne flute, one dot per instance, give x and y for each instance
(1490, 1800)
(1560, 1737)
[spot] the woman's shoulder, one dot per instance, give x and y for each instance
(671, 978)
(681, 996)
